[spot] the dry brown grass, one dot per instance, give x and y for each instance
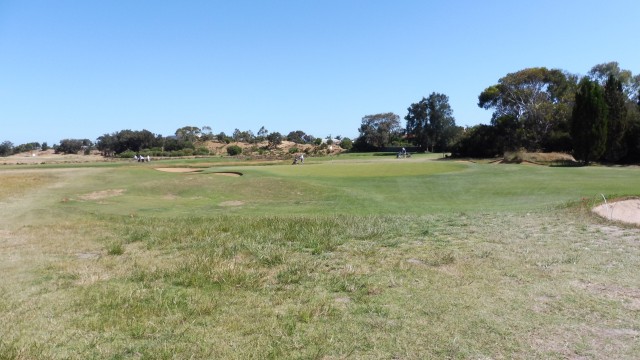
(537, 157)
(16, 183)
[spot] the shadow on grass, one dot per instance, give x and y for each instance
(566, 163)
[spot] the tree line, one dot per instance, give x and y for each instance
(186, 141)
(595, 117)
(430, 126)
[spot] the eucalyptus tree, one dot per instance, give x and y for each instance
(533, 103)
(298, 137)
(380, 130)
(274, 139)
(630, 83)
(262, 134)
(430, 122)
(188, 133)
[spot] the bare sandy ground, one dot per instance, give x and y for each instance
(191, 170)
(627, 211)
(50, 157)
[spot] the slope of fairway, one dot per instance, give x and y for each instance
(364, 169)
(343, 187)
(436, 187)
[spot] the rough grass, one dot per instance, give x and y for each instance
(92, 280)
(549, 286)
(538, 157)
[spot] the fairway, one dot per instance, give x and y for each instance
(345, 257)
(365, 169)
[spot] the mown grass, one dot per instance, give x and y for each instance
(361, 186)
(306, 267)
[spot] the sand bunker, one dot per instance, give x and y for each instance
(179, 170)
(193, 170)
(627, 211)
(227, 173)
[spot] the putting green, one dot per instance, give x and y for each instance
(366, 169)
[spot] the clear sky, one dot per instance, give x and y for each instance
(83, 68)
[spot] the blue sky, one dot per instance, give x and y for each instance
(80, 69)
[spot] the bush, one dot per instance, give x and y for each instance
(6, 148)
(233, 150)
(202, 151)
(127, 154)
(346, 144)
(293, 150)
(115, 248)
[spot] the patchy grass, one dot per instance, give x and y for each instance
(146, 275)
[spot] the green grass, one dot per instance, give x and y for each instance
(351, 257)
(361, 186)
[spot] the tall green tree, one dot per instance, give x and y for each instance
(616, 120)
(6, 148)
(274, 139)
(73, 146)
(430, 122)
(602, 72)
(589, 121)
(534, 103)
(188, 133)
(262, 134)
(380, 130)
(297, 136)
(206, 133)
(123, 140)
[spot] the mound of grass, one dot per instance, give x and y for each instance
(538, 158)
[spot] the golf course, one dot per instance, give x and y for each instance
(356, 256)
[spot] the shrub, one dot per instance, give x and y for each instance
(115, 248)
(293, 150)
(233, 150)
(127, 154)
(202, 151)
(346, 143)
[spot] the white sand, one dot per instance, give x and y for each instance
(625, 211)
